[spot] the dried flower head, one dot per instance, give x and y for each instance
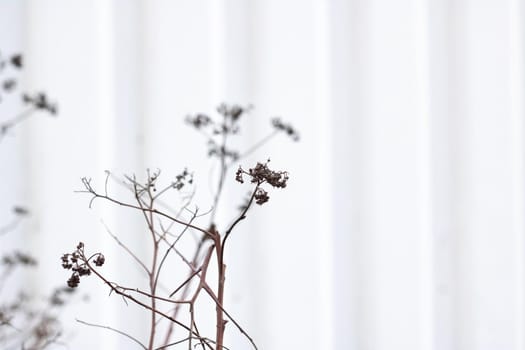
(287, 128)
(233, 112)
(79, 264)
(217, 131)
(20, 211)
(18, 259)
(99, 261)
(40, 102)
(9, 85)
(183, 179)
(16, 61)
(261, 196)
(73, 281)
(59, 295)
(261, 174)
(198, 121)
(238, 175)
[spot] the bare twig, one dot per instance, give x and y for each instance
(127, 335)
(9, 124)
(119, 242)
(211, 240)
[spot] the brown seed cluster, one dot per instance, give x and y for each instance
(261, 174)
(79, 264)
(261, 196)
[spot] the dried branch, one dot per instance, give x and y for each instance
(211, 244)
(127, 335)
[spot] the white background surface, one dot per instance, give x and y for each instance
(403, 224)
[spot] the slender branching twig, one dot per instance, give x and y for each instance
(160, 225)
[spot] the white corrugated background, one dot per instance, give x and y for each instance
(403, 226)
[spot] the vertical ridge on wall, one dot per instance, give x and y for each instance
(347, 54)
(234, 85)
(439, 105)
(105, 80)
(517, 88)
(106, 83)
(128, 155)
(449, 94)
(217, 32)
(325, 338)
(391, 232)
(487, 260)
(426, 247)
(287, 229)
(63, 53)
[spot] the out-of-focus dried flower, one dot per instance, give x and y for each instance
(9, 85)
(57, 298)
(4, 318)
(287, 128)
(16, 61)
(20, 211)
(198, 121)
(234, 111)
(182, 179)
(216, 150)
(19, 258)
(40, 102)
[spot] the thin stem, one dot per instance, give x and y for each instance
(185, 282)
(9, 124)
(10, 227)
(135, 300)
(153, 210)
(241, 217)
(170, 248)
(223, 170)
(133, 255)
(114, 330)
(186, 285)
(202, 340)
(257, 145)
(152, 277)
(220, 324)
(212, 295)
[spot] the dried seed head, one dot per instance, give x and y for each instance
(261, 196)
(73, 281)
(287, 128)
(99, 261)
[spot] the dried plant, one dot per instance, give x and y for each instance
(164, 294)
(25, 323)
(9, 68)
